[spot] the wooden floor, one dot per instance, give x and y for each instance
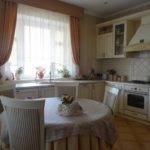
(132, 135)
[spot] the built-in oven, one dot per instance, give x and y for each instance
(136, 99)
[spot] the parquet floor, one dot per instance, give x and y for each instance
(132, 135)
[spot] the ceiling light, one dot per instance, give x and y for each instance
(105, 3)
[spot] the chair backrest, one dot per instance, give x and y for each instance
(25, 121)
(110, 97)
(61, 85)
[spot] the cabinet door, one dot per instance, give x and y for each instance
(46, 92)
(105, 45)
(100, 50)
(109, 45)
(119, 32)
(85, 91)
(98, 91)
(26, 93)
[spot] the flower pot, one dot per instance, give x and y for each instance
(40, 75)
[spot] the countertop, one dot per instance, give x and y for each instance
(47, 83)
(128, 83)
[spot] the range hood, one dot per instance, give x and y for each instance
(141, 39)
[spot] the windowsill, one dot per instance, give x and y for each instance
(10, 82)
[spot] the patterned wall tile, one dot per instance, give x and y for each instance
(134, 68)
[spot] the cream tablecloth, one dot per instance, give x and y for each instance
(93, 130)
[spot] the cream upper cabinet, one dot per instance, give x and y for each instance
(104, 43)
(112, 39)
(122, 34)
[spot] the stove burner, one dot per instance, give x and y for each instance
(140, 82)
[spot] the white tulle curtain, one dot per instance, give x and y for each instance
(42, 39)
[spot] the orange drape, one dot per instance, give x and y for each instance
(8, 15)
(74, 27)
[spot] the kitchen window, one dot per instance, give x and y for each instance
(42, 38)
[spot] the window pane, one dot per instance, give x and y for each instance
(42, 38)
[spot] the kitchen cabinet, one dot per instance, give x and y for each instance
(112, 39)
(122, 34)
(92, 91)
(46, 91)
(85, 91)
(26, 93)
(35, 92)
(104, 43)
(98, 91)
(7, 90)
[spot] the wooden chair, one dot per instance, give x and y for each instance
(25, 122)
(60, 85)
(110, 97)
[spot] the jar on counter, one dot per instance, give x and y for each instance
(118, 78)
(110, 77)
(124, 78)
(114, 77)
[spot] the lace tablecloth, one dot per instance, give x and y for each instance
(96, 120)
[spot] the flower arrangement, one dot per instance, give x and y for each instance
(66, 99)
(40, 71)
(64, 72)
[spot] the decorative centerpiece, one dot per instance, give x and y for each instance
(69, 107)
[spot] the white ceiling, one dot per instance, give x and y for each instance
(99, 8)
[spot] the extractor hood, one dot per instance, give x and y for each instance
(141, 39)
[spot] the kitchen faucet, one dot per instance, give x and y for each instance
(50, 76)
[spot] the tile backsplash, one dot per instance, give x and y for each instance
(134, 68)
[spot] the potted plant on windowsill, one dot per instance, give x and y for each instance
(64, 72)
(19, 73)
(40, 71)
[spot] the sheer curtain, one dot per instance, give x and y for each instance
(42, 38)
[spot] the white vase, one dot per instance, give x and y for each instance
(18, 76)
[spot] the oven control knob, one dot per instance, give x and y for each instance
(135, 88)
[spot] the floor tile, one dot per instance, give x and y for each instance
(132, 135)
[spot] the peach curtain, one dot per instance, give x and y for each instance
(75, 38)
(8, 15)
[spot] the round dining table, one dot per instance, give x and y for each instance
(94, 129)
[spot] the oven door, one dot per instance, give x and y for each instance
(136, 102)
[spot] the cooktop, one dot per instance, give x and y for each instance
(139, 82)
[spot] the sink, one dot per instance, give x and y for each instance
(46, 82)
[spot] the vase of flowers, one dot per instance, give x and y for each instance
(69, 107)
(40, 71)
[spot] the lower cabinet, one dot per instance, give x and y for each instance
(85, 91)
(46, 92)
(27, 93)
(37, 92)
(98, 91)
(92, 91)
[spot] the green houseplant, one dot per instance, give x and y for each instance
(64, 72)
